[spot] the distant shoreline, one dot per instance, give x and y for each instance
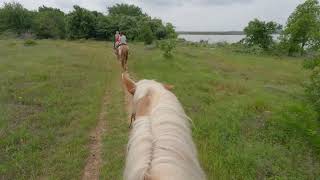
(211, 32)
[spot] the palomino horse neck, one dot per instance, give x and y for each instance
(160, 144)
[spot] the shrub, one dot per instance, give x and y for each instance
(8, 35)
(222, 44)
(30, 42)
(311, 64)
(257, 50)
(313, 87)
(167, 46)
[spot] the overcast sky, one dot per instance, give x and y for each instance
(192, 15)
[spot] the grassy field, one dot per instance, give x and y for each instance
(50, 97)
(251, 120)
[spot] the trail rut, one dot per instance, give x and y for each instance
(93, 164)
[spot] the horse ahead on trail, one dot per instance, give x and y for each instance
(160, 145)
(123, 52)
(121, 49)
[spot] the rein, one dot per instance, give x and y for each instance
(133, 118)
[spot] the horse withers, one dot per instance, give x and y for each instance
(160, 145)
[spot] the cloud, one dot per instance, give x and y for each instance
(221, 2)
(197, 15)
(169, 3)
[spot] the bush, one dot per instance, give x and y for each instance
(257, 50)
(8, 35)
(167, 46)
(311, 64)
(313, 88)
(30, 42)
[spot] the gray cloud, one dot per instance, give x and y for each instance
(198, 15)
(194, 2)
(225, 2)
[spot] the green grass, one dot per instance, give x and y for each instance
(50, 97)
(251, 120)
(250, 117)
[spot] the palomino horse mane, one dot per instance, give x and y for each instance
(160, 144)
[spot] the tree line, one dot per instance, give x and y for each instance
(300, 34)
(48, 22)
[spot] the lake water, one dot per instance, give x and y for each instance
(215, 38)
(212, 38)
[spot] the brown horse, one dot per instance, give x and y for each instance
(123, 52)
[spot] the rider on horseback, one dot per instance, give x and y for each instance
(123, 39)
(116, 40)
(120, 39)
(122, 51)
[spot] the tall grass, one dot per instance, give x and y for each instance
(251, 120)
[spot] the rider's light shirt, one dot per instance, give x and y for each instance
(123, 39)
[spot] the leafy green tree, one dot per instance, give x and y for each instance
(147, 34)
(81, 23)
(126, 10)
(170, 31)
(259, 33)
(157, 28)
(303, 27)
(129, 25)
(50, 23)
(104, 28)
(160, 33)
(14, 17)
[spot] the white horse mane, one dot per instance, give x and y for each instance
(160, 145)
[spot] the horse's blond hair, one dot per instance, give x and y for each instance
(160, 144)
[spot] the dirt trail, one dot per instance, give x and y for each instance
(94, 161)
(93, 164)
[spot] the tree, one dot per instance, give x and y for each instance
(260, 33)
(14, 17)
(303, 27)
(50, 23)
(147, 34)
(104, 28)
(170, 31)
(157, 28)
(126, 10)
(81, 23)
(129, 25)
